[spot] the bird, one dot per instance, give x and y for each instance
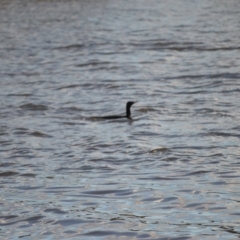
(128, 113)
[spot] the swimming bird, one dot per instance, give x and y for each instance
(128, 113)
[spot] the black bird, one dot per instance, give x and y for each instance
(128, 113)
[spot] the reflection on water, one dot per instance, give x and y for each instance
(170, 173)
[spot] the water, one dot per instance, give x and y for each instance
(170, 173)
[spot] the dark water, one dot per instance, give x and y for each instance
(170, 173)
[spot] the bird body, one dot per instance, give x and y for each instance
(128, 113)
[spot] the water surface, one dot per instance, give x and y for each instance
(170, 173)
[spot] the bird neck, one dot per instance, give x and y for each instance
(128, 112)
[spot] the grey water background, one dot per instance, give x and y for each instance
(170, 173)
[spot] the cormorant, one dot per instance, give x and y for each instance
(128, 113)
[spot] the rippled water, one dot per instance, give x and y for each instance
(170, 173)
